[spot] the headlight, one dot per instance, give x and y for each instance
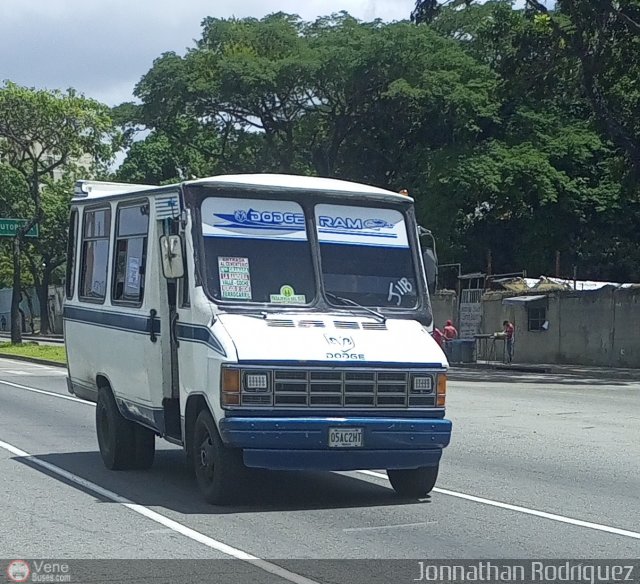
(422, 384)
(245, 387)
(256, 382)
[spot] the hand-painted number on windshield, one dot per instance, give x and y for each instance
(398, 289)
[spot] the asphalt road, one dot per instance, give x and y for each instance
(540, 467)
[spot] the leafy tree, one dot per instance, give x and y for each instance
(243, 75)
(150, 161)
(426, 11)
(335, 97)
(604, 36)
(545, 178)
(42, 132)
(481, 110)
(14, 191)
(47, 253)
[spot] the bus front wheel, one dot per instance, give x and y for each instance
(217, 468)
(414, 483)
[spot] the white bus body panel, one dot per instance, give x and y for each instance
(286, 337)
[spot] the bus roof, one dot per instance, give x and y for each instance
(87, 190)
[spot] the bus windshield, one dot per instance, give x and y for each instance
(365, 256)
(257, 251)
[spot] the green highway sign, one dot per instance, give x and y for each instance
(9, 227)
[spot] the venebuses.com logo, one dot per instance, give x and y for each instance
(38, 571)
(18, 571)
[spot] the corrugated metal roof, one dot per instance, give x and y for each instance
(523, 299)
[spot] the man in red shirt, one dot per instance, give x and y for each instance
(450, 331)
(509, 331)
(449, 334)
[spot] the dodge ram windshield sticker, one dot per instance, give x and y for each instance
(253, 219)
(361, 226)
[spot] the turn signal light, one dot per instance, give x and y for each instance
(442, 391)
(230, 381)
(230, 399)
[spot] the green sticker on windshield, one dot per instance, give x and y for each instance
(288, 296)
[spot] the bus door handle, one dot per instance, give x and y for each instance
(152, 325)
(174, 330)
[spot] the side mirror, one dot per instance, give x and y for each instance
(431, 269)
(171, 253)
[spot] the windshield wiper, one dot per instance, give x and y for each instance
(344, 300)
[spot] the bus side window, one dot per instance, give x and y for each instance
(130, 253)
(95, 254)
(70, 282)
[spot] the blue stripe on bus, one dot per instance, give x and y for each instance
(133, 323)
(139, 324)
(199, 334)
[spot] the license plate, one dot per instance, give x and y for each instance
(345, 437)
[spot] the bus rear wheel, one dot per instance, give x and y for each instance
(414, 483)
(123, 444)
(217, 468)
(116, 436)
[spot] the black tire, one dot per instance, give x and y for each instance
(218, 469)
(145, 449)
(116, 435)
(414, 483)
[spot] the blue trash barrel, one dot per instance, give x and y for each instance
(452, 349)
(467, 350)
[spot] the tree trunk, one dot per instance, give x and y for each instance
(16, 296)
(30, 306)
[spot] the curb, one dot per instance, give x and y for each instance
(501, 367)
(32, 360)
(523, 368)
(611, 374)
(36, 338)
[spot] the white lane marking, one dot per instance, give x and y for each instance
(44, 392)
(30, 373)
(379, 527)
(378, 475)
(161, 519)
(525, 510)
(28, 364)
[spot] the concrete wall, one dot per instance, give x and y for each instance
(626, 333)
(56, 297)
(599, 327)
(5, 304)
(444, 304)
(530, 346)
(586, 328)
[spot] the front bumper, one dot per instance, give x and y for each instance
(302, 443)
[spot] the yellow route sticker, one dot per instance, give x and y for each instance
(288, 296)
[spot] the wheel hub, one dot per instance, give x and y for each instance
(206, 454)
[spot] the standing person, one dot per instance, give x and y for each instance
(3, 322)
(450, 331)
(509, 331)
(438, 337)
